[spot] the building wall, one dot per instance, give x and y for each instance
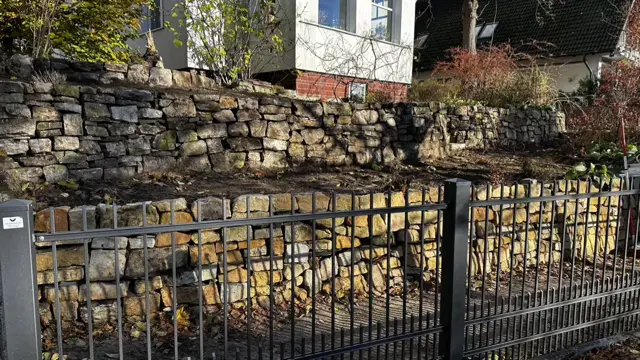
(174, 57)
(352, 52)
(329, 87)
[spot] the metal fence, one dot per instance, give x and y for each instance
(505, 311)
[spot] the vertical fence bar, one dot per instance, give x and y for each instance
(454, 245)
(19, 312)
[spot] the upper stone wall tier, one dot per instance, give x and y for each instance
(23, 67)
(107, 132)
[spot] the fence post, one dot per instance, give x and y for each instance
(19, 316)
(454, 267)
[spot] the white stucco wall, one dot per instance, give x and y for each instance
(313, 47)
(354, 53)
(566, 72)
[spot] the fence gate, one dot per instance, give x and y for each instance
(451, 273)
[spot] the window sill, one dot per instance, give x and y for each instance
(152, 31)
(311, 23)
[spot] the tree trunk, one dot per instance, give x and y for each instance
(469, 18)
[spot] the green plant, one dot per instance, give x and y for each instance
(597, 173)
(227, 36)
(85, 30)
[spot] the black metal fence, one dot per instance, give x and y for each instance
(328, 294)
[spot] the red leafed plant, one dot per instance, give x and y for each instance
(617, 98)
(497, 76)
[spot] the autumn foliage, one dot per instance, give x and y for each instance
(495, 75)
(85, 30)
(617, 98)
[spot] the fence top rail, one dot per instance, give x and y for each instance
(229, 222)
(537, 199)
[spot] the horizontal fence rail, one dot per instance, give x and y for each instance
(457, 272)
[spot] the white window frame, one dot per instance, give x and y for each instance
(146, 22)
(484, 27)
(390, 30)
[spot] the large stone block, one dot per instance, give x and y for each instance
(211, 208)
(45, 113)
(18, 127)
(14, 147)
(101, 314)
(103, 291)
(228, 161)
(102, 266)
(125, 113)
(180, 108)
(61, 220)
(137, 305)
(160, 77)
(96, 110)
(160, 259)
(68, 274)
(244, 144)
(130, 215)
(66, 143)
(68, 256)
(190, 295)
(55, 173)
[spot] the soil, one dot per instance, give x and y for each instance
(480, 167)
(628, 349)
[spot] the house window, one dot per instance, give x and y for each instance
(152, 17)
(486, 30)
(333, 13)
(381, 11)
(420, 41)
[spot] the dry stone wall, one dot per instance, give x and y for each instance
(508, 238)
(54, 132)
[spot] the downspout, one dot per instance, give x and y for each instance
(586, 63)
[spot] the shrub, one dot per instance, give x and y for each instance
(432, 90)
(494, 76)
(617, 100)
(378, 96)
(86, 30)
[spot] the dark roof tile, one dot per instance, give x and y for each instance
(572, 27)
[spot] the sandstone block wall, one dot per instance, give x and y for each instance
(102, 132)
(586, 228)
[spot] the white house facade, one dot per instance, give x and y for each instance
(333, 47)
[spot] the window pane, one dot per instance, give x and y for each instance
(488, 30)
(333, 13)
(144, 22)
(380, 23)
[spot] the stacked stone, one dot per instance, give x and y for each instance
(505, 234)
(327, 255)
(95, 132)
